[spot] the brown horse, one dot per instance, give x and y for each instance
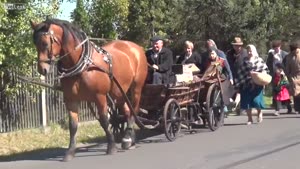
(90, 73)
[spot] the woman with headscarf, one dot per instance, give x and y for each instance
(251, 93)
(211, 45)
(220, 63)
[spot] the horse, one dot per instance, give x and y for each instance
(92, 73)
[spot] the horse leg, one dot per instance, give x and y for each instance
(104, 122)
(72, 107)
(129, 137)
(129, 134)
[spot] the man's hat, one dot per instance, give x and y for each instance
(237, 41)
(155, 39)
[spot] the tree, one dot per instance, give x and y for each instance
(80, 16)
(16, 47)
(148, 18)
(109, 18)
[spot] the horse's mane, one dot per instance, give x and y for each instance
(67, 27)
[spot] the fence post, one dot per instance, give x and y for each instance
(43, 105)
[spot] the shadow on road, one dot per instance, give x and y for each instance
(281, 117)
(234, 124)
(91, 145)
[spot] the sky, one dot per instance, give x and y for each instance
(65, 10)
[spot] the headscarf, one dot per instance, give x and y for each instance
(212, 42)
(253, 50)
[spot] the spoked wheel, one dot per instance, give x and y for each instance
(172, 119)
(215, 107)
(118, 131)
(117, 125)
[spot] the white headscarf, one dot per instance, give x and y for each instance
(253, 50)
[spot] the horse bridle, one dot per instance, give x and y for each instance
(51, 59)
(84, 60)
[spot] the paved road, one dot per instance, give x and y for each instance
(273, 144)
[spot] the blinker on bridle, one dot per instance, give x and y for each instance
(52, 59)
(53, 40)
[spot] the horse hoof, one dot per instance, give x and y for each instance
(111, 149)
(126, 143)
(69, 155)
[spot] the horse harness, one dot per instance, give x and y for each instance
(83, 64)
(85, 59)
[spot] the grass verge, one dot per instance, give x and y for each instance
(38, 139)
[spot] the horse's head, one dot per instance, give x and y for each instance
(57, 40)
(47, 38)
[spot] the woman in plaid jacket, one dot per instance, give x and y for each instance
(251, 94)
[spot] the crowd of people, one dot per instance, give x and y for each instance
(238, 65)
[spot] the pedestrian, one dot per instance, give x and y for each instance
(275, 55)
(210, 44)
(292, 71)
(251, 93)
(235, 57)
(220, 63)
(160, 60)
(281, 94)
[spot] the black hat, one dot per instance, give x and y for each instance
(155, 38)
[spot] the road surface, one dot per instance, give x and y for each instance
(273, 144)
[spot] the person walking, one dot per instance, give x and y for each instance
(292, 70)
(251, 93)
(235, 58)
(281, 94)
(275, 55)
(210, 44)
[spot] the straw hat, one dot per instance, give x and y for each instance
(237, 41)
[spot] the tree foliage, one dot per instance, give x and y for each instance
(257, 21)
(109, 18)
(16, 48)
(80, 16)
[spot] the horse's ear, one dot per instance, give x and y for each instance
(33, 24)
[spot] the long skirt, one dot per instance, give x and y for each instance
(252, 97)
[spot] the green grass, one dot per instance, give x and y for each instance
(37, 139)
(268, 101)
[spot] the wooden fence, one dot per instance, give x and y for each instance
(30, 109)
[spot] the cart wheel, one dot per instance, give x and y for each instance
(118, 130)
(215, 107)
(117, 125)
(172, 119)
